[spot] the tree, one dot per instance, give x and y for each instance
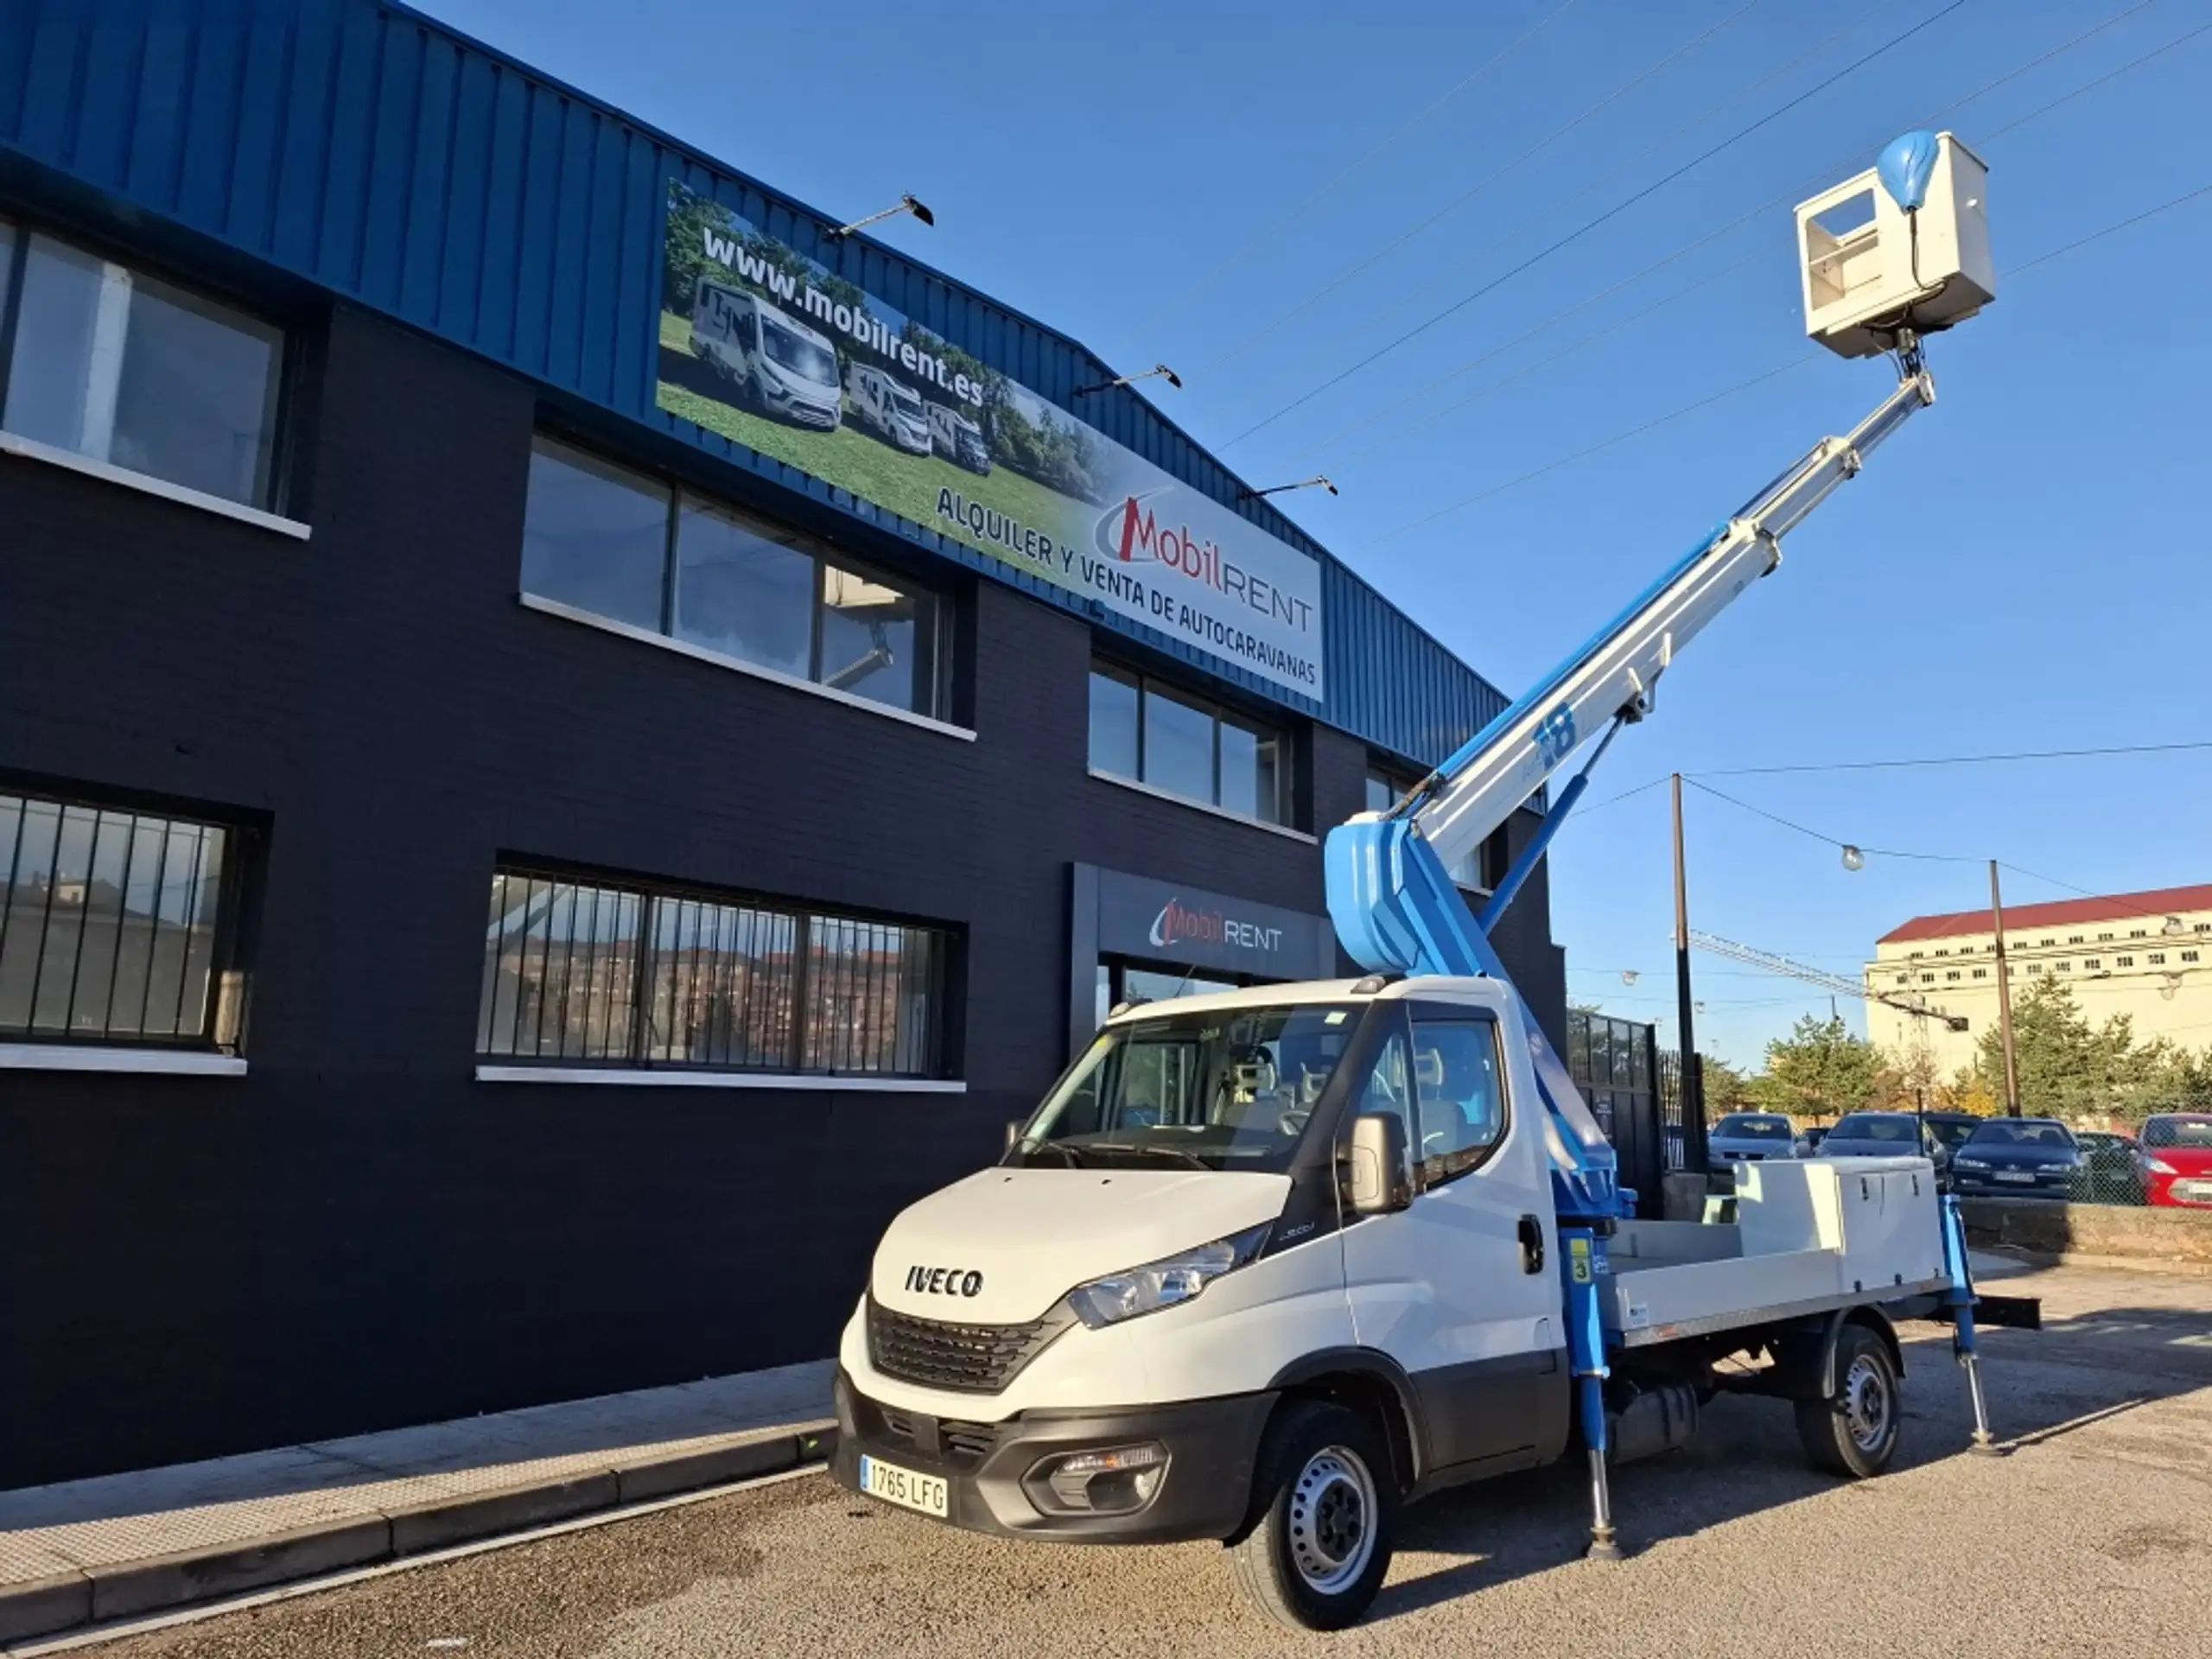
(1820, 1069)
(1726, 1090)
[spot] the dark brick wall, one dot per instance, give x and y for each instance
(358, 1234)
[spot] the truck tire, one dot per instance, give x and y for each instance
(1855, 1431)
(1325, 1512)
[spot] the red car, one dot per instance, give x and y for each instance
(2176, 1158)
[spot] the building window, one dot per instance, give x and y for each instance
(1981, 972)
(2062, 968)
(2035, 967)
(114, 364)
(1928, 979)
(2123, 962)
(1159, 735)
(1905, 979)
(587, 973)
(621, 544)
(2158, 959)
(2093, 963)
(1952, 974)
(2188, 956)
(2139, 933)
(2073, 938)
(112, 924)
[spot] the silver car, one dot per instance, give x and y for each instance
(1751, 1138)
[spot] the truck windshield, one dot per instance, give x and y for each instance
(798, 354)
(910, 404)
(1228, 1089)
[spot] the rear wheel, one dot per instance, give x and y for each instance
(1325, 1507)
(1854, 1430)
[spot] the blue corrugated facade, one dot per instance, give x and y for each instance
(367, 150)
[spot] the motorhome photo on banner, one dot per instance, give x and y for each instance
(764, 345)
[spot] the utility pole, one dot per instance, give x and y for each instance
(1693, 1150)
(2004, 994)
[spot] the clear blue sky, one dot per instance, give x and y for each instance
(2025, 567)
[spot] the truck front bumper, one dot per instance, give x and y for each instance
(998, 1476)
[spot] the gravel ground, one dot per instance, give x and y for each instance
(2094, 1536)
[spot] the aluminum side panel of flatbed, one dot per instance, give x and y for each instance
(1661, 1305)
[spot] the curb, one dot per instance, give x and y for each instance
(66, 1601)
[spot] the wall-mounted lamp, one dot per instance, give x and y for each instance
(906, 204)
(1320, 479)
(1158, 369)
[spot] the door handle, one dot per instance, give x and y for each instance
(1532, 1244)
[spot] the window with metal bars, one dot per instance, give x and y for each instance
(113, 925)
(583, 972)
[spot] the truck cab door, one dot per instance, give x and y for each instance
(1460, 1288)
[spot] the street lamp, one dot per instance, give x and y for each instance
(906, 204)
(2173, 929)
(1320, 479)
(1161, 369)
(1852, 858)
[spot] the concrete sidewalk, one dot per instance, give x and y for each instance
(88, 1551)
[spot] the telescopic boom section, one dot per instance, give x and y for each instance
(1395, 909)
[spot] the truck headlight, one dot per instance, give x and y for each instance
(1163, 1283)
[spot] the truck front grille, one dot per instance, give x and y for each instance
(966, 1358)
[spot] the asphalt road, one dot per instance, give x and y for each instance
(2094, 1535)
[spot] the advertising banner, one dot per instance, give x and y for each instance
(762, 345)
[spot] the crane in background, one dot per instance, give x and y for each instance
(1835, 984)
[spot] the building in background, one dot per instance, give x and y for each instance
(571, 740)
(2146, 954)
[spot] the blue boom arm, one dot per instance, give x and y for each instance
(1395, 909)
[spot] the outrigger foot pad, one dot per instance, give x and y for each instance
(1603, 1548)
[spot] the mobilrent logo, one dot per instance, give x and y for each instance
(1175, 922)
(1132, 534)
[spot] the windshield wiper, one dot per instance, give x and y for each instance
(1176, 1152)
(1060, 1147)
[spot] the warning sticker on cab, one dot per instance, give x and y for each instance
(1578, 1257)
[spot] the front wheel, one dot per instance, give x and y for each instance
(1325, 1505)
(1855, 1431)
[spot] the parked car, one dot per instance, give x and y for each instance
(2109, 1170)
(2175, 1157)
(1952, 1129)
(1885, 1134)
(2018, 1158)
(1750, 1138)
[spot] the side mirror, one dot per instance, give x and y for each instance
(1381, 1181)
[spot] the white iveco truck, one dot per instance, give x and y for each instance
(1266, 1266)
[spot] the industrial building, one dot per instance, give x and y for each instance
(571, 739)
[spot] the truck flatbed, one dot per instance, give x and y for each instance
(1810, 1235)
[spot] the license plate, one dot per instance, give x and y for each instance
(2200, 1191)
(2019, 1175)
(909, 1490)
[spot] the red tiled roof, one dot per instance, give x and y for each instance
(2156, 905)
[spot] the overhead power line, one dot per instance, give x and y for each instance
(1711, 398)
(1953, 759)
(1258, 239)
(1590, 225)
(1475, 189)
(1759, 211)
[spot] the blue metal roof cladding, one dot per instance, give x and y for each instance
(380, 154)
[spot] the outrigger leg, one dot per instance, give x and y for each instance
(1584, 1258)
(1959, 1299)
